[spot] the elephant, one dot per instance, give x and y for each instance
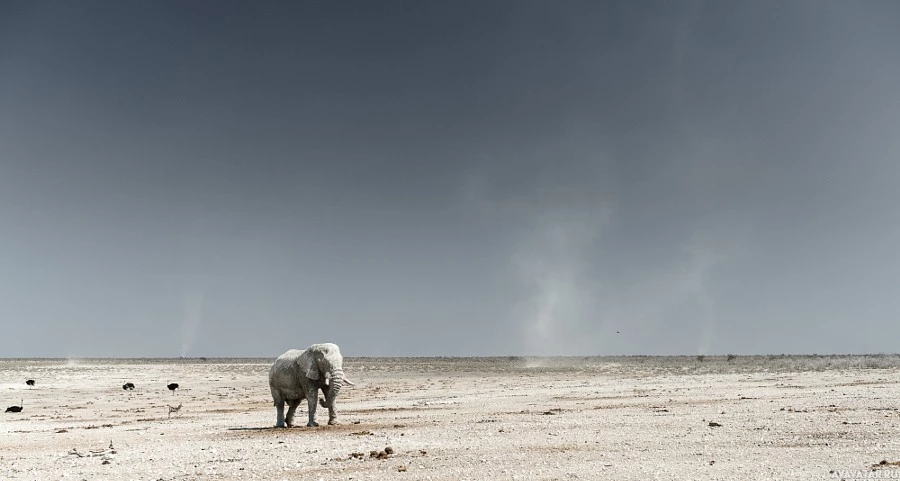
(297, 375)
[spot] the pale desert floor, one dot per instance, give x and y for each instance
(629, 418)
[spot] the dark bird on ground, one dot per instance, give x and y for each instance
(30, 382)
(128, 386)
(16, 409)
(172, 387)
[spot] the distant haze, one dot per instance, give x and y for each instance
(213, 178)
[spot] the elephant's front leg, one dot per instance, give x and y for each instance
(332, 415)
(312, 395)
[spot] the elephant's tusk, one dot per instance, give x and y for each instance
(349, 383)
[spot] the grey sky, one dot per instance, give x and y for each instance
(449, 178)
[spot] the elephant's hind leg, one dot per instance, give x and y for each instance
(292, 406)
(279, 414)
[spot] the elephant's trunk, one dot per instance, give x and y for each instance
(334, 386)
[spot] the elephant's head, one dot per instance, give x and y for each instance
(321, 361)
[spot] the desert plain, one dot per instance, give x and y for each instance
(504, 418)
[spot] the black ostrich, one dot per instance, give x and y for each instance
(172, 387)
(128, 386)
(16, 409)
(30, 382)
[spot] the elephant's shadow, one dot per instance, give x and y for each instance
(267, 428)
(350, 428)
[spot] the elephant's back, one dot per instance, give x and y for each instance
(285, 367)
(290, 355)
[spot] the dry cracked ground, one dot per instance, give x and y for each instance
(626, 418)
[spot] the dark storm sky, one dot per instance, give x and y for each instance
(449, 178)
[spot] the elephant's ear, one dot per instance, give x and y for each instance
(308, 365)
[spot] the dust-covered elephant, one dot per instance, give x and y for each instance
(298, 375)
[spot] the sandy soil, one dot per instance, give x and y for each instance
(453, 419)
